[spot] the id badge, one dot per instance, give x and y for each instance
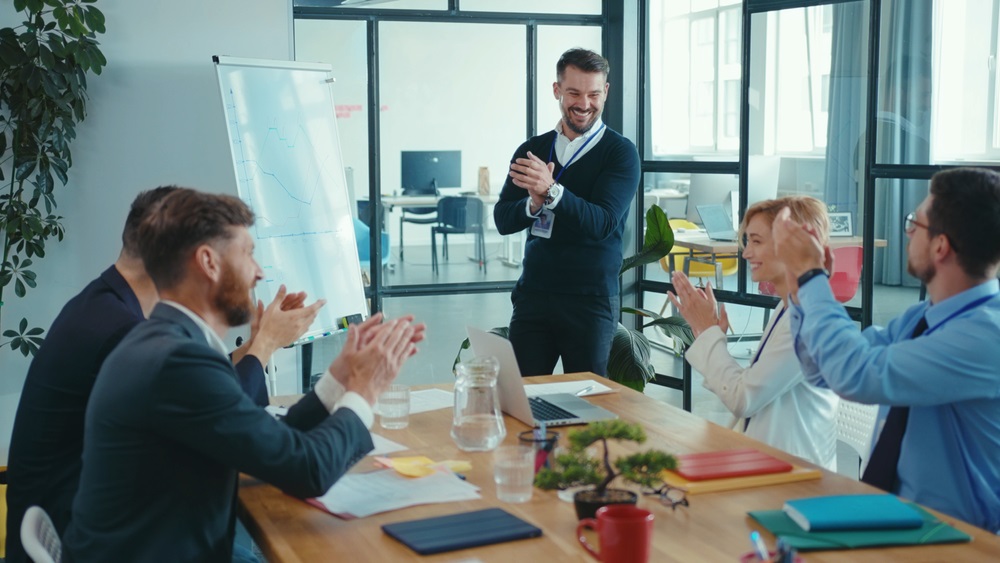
(543, 225)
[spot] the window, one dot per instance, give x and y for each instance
(964, 96)
(694, 74)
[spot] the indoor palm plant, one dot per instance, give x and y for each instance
(43, 92)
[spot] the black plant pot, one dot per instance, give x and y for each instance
(588, 501)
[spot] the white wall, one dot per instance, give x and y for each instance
(155, 117)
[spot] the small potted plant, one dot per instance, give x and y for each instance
(576, 467)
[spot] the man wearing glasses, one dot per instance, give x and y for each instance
(935, 369)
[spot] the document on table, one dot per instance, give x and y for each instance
(431, 400)
(571, 387)
(384, 445)
(363, 494)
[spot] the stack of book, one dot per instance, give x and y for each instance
(852, 521)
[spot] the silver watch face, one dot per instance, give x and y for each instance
(554, 191)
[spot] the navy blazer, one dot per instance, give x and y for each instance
(167, 430)
(47, 439)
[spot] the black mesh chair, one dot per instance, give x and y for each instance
(459, 215)
(416, 215)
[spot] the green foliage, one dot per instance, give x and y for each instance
(630, 363)
(43, 93)
(658, 241)
(606, 430)
(576, 467)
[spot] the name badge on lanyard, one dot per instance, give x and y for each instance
(543, 225)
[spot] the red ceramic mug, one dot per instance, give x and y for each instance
(624, 531)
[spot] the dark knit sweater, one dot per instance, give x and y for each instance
(585, 252)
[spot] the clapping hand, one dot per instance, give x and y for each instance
(698, 306)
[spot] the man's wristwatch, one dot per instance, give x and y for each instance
(552, 193)
(810, 274)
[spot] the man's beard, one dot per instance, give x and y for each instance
(925, 276)
(568, 121)
(233, 298)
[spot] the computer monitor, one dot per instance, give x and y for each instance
(424, 172)
(708, 188)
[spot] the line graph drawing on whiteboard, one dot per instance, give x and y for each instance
(283, 171)
(282, 131)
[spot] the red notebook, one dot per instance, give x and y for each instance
(729, 463)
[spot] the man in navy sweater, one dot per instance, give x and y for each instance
(581, 178)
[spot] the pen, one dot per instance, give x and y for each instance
(758, 546)
(585, 390)
(786, 553)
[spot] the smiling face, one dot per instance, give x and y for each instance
(581, 97)
(239, 275)
(759, 252)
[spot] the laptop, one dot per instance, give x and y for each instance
(557, 409)
(717, 223)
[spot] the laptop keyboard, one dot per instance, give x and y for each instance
(544, 410)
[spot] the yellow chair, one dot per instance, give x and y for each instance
(718, 268)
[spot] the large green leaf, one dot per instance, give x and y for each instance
(671, 326)
(629, 362)
(658, 241)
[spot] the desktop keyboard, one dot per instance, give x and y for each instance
(544, 410)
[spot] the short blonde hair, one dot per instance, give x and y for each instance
(804, 209)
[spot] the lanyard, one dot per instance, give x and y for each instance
(968, 307)
(552, 150)
(768, 337)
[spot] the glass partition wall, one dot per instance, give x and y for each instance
(856, 103)
(467, 81)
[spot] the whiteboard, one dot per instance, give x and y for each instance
(286, 154)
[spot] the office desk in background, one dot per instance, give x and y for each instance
(714, 528)
(707, 251)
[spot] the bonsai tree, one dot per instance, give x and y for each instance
(43, 93)
(630, 360)
(576, 467)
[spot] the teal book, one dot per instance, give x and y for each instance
(852, 512)
(931, 531)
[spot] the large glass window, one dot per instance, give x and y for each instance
(435, 97)
(694, 77)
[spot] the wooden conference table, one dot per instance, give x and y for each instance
(715, 527)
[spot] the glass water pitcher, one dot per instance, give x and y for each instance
(477, 425)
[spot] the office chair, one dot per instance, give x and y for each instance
(846, 276)
(362, 234)
(39, 537)
(855, 424)
(416, 215)
(459, 215)
(719, 269)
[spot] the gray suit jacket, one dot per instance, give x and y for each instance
(167, 430)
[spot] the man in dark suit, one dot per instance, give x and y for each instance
(47, 439)
(168, 427)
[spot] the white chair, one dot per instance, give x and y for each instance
(39, 538)
(855, 425)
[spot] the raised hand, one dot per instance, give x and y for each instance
(697, 306)
(280, 323)
(374, 353)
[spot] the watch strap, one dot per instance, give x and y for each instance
(810, 274)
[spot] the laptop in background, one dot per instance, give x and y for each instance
(557, 409)
(718, 225)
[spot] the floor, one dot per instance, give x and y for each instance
(447, 316)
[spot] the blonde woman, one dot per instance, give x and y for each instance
(770, 398)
